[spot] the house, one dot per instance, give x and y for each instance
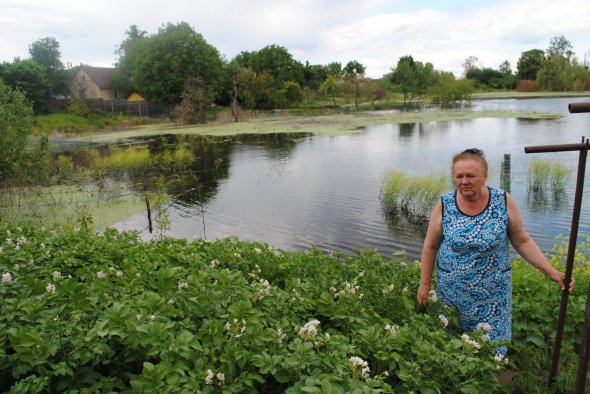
(93, 83)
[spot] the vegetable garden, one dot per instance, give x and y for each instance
(83, 312)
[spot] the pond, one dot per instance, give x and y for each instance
(297, 190)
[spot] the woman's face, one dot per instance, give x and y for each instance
(469, 177)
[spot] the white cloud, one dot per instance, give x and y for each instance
(319, 31)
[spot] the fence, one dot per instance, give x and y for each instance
(129, 108)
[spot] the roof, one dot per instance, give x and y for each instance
(135, 97)
(100, 75)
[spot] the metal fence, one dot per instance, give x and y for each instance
(130, 108)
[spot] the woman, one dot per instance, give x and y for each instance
(469, 230)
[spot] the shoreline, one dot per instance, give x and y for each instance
(331, 125)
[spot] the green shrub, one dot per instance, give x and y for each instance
(16, 114)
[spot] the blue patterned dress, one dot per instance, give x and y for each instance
(473, 265)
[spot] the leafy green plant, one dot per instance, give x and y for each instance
(112, 313)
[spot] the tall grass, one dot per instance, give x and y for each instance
(543, 175)
(412, 196)
(72, 124)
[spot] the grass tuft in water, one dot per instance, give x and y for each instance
(411, 196)
(543, 175)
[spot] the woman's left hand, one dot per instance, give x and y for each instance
(559, 277)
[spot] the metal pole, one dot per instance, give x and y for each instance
(584, 350)
(570, 260)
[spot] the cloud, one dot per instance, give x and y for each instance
(493, 34)
(373, 32)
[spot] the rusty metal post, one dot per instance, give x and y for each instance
(576, 108)
(584, 350)
(583, 148)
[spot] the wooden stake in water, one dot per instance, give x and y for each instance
(505, 173)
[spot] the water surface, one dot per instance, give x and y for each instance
(300, 190)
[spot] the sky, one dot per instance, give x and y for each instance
(375, 33)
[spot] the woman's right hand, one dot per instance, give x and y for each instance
(422, 295)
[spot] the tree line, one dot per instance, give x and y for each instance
(177, 66)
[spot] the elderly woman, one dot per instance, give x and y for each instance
(469, 230)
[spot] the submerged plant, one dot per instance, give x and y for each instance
(414, 196)
(543, 174)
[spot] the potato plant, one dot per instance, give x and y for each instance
(84, 312)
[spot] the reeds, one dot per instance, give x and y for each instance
(544, 175)
(411, 196)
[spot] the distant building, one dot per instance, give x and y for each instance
(93, 83)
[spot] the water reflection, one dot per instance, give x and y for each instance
(540, 201)
(406, 129)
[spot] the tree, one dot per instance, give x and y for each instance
(557, 72)
(529, 63)
(30, 78)
(447, 89)
(411, 78)
(121, 79)
(292, 93)
(331, 87)
(469, 64)
(45, 51)
(16, 119)
(353, 73)
(373, 89)
(335, 69)
(274, 60)
(560, 46)
(314, 75)
(160, 64)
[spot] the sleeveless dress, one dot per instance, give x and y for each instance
(473, 265)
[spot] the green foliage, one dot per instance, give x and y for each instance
(30, 78)
(414, 196)
(160, 64)
(16, 116)
(78, 107)
(411, 78)
(45, 51)
(292, 93)
(448, 90)
(196, 101)
(158, 200)
(72, 123)
(110, 313)
(331, 87)
(561, 70)
(274, 60)
(353, 74)
(529, 63)
(543, 174)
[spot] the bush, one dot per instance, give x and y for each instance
(525, 85)
(78, 107)
(196, 100)
(16, 117)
